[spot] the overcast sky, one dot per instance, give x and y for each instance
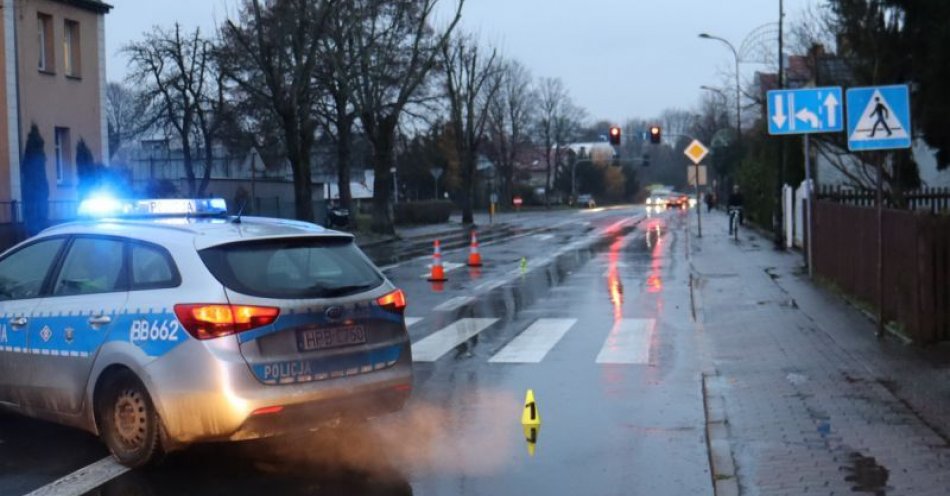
(619, 58)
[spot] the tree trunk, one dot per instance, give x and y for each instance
(344, 152)
(303, 187)
(468, 187)
(189, 165)
(384, 143)
(206, 176)
(547, 180)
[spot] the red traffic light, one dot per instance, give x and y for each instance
(615, 136)
(655, 134)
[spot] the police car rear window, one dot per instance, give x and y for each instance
(294, 268)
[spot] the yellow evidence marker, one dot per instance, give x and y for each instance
(531, 421)
(531, 437)
(530, 415)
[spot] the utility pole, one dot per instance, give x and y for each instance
(780, 179)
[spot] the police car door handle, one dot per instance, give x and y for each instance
(100, 320)
(19, 322)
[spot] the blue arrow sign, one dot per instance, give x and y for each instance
(879, 118)
(805, 111)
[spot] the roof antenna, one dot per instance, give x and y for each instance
(237, 218)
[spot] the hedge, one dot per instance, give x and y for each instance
(424, 212)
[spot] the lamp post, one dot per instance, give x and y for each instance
(716, 91)
(735, 54)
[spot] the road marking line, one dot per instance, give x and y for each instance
(411, 321)
(534, 343)
(83, 480)
(444, 340)
(628, 342)
(453, 304)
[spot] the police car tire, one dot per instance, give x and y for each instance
(149, 451)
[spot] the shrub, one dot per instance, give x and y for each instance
(86, 169)
(33, 183)
(424, 212)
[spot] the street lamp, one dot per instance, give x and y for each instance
(715, 90)
(735, 54)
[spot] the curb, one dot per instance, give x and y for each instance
(723, 467)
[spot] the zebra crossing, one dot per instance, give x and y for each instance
(628, 342)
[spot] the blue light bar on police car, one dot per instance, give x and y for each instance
(111, 207)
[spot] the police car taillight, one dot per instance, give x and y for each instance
(394, 302)
(206, 321)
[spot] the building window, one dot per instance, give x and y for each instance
(62, 153)
(44, 33)
(72, 48)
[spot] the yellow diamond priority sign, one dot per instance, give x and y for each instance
(696, 151)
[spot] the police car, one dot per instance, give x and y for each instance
(163, 323)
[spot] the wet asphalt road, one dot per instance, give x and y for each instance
(596, 322)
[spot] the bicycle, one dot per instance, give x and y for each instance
(734, 216)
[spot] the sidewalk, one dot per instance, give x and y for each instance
(814, 403)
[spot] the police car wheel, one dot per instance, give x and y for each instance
(128, 421)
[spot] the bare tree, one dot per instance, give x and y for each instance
(176, 72)
(511, 114)
(677, 122)
(559, 120)
(471, 82)
(125, 115)
(271, 53)
(551, 96)
(397, 47)
(337, 110)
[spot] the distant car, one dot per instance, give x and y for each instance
(658, 198)
(678, 200)
(586, 201)
(162, 323)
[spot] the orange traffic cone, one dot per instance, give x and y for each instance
(474, 258)
(438, 272)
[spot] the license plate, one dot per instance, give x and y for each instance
(330, 337)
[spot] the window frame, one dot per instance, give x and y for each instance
(72, 49)
(124, 273)
(169, 259)
(53, 267)
(46, 43)
(61, 150)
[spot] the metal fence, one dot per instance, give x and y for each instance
(916, 263)
(924, 199)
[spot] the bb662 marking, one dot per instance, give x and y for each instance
(154, 330)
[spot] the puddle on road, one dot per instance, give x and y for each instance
(866, 476)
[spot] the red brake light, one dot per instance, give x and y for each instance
(267, 410)
(395, 301)
(215, 321)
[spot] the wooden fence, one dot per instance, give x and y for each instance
(916, 263)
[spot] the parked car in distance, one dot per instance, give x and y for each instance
(586, 201)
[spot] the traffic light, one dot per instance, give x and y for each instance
(655, 135)
(646, 159)
(615, 136)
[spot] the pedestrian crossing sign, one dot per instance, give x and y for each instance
(879, 118)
